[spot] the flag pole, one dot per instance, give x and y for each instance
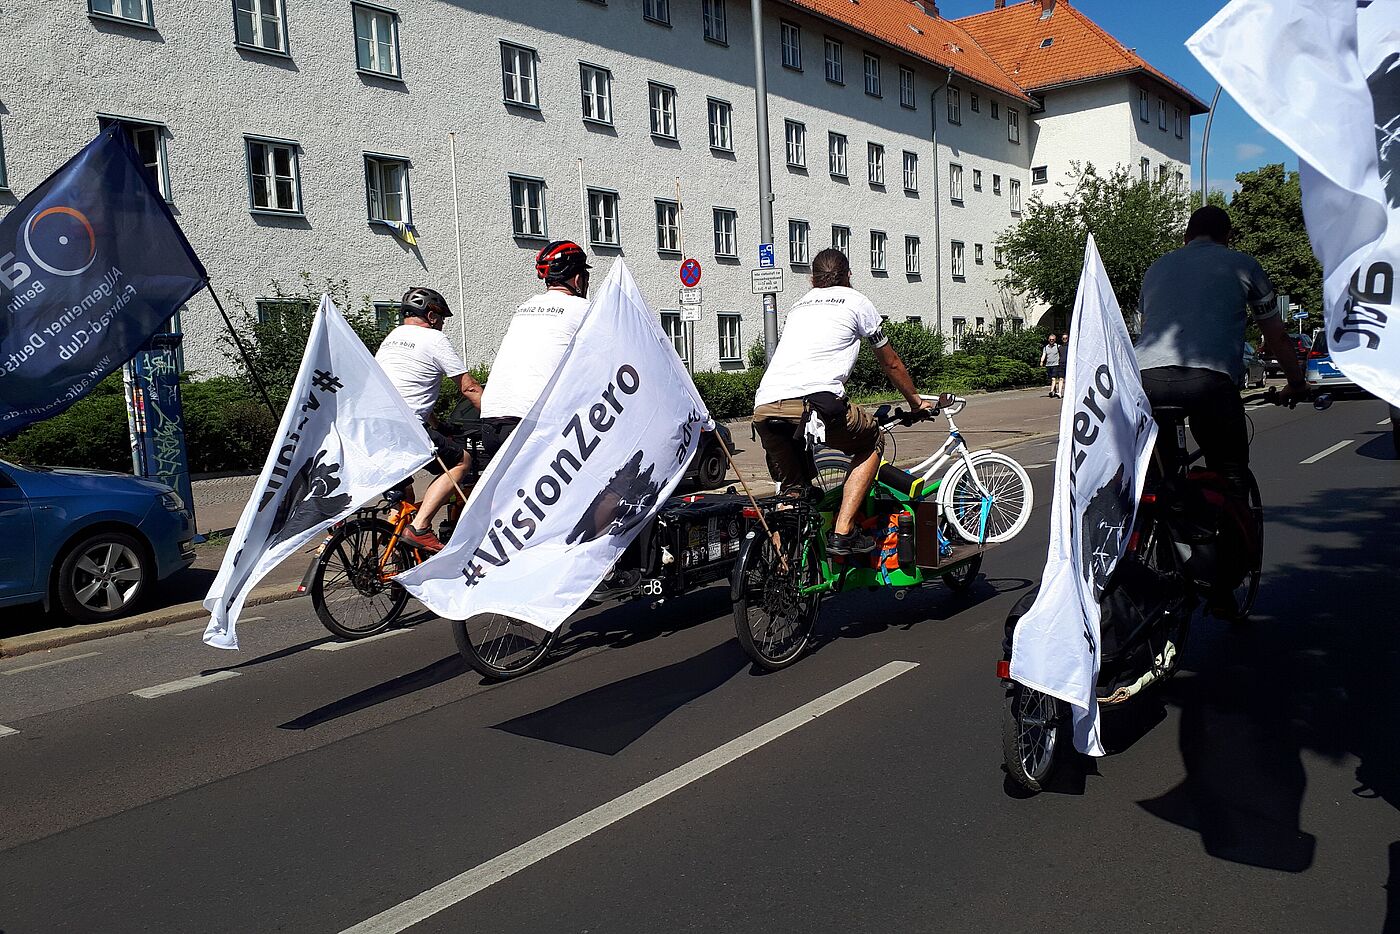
(243, 352)
(762, 519)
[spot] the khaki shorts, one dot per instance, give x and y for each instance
(779, 428)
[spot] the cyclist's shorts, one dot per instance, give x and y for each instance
(450, 450)
(494, 432)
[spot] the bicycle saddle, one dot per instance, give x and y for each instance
(1169, 413)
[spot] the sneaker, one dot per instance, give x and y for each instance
(853, 543)
(422, 538)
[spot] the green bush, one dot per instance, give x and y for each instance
(1018, 345)
(226, 427)
(919, 348)
(728, 394)
(92, 433)
(966, 372)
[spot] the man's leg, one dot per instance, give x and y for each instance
(441, 488)
(776, 424)
(860, 438)
(1219, 425)
(858, 482)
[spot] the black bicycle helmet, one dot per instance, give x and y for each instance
(419, 301)
(561, 261)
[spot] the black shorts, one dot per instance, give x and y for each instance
(494, 432)
(450, 450)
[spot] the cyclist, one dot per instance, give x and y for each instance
(808, 373)
(535, 342)
(416, 355)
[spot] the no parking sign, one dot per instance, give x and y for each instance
(690, 273)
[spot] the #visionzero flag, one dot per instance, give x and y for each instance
(1324, 77)
(1106, 438)
(346, 437)
(600, 452)
(91, 265)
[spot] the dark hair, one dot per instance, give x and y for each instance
(831, 267)
(1209, 221)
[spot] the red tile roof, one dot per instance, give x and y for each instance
(1014, 37)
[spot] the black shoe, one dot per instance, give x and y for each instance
(853, 543)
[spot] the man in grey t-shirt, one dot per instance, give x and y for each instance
(1194, 305)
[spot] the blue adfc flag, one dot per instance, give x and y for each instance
(91, 265)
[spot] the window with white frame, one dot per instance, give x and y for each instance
(135, 11)
(1016, 325)
(877, 251)
(841, 239)
(726, 232)
(386, 189)
(731, 347)
(872, 75)
(875, 163)
(911, 171)
(1178, 122)
(527, 207)
(663, 109)
(997, 256)
(1013, 124)
(149, 141)
(954, 105)
(259, 24)
(387, 316)
(976, 179)
(981, 324)
(1180, 180)
(955, 182)
(959, 331)
(1015, 196)
(836, 154)
(906, 87)
(996, 184)
(1144, 106)
(790, 37)
(977, 254)
(712, 15)
(995, 108)
(602, 217)
(1145, 167)
(284, 312)
(596, 85)
(658, 11)
(796, 135)
(915, 319)
(911, 256)
(668, 226)
(1162, 173)
(274, 182)
(674, 327)
(376, 39)
(973, 102)
(1040, 174)
(999, 326)
(958, 254)
(799, 250)
(835, 66)
(520, 75)
(721, 125)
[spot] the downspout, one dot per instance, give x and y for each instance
(937, 210)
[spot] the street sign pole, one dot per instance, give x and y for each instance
(765, 179)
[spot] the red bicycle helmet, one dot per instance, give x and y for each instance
(560, 261)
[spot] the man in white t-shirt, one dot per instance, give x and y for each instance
(808, 371)
(535, 342)
(416, 356)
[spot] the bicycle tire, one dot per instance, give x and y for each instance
(1010, 488)
(501, 647)
(1248, 590)
(831, 468)
(348, 590)
(961, 579)
(1034, 729)
(772, 620)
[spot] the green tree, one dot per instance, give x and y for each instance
(1267, 213)
(1133, 221)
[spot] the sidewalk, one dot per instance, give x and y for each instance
(991, 420)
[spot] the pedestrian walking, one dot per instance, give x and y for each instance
(1063, 367)
(1050, 359)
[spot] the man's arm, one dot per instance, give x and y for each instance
(898, 376)
(470, 388)
(1278, 342)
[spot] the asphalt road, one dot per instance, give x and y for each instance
(648, 780)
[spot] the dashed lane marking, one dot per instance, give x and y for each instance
(184, 684)
(1332, 450)
(8, 731)
(56, 661)
(337, 646)
(1035, 466)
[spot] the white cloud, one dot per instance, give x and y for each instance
(1246, 151)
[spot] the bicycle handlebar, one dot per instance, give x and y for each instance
(1321, 401)
(887, 418)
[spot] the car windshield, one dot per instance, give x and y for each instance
(1319, 344)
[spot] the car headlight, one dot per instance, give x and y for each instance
(172, 501)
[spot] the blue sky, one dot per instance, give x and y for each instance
(1158, 29)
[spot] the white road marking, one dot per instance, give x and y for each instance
(184, 684)
(56, 661)
(8, 731)
(1332, 450)
(337, 646)
(420, 907)
(1034, 466)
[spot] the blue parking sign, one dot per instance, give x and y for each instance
(765, 256)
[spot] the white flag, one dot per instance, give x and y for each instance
(345, 438)
(600, 452)
(1324, 77)
(1106, 438)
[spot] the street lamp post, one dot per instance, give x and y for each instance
(765, 174)
(1205, 145)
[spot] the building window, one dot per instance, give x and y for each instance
(377, 39)
(721, 125)
(519, 74)
(668, 226)
(976, 179)
(527, 207)
(841, 239)
(712, 15)
(836, 154)
(997, 256)
(726, 232)
(977, 253)
(1180, 180)
(1016, 325)
(958, 271)
(790, 37)
(602, 218)
(877, 251)
(259, 24)
(387, 316)
(4, 175)
(675, 332)
(386, 188)
(135, 11)
(730, 344)
(959, 331)
(658, 11)
(981, 324)
(875, 163)
(1161, 114)
(1178, 122)
(1013, 124)
(835, 69)
(1039, 175)
(284, 312)
(796, 134)
(1162, 173)
(995, 108)
(973, 102)
(872, 75)
(1015, 196)
(911, 256)
(274, 176)
(954, 105)
(149, 142)
(955, 182)
(996, 184)
(1145, 167)
(596, 84)
(906, 87)
(911, 171)
(799, 253)
(1144, 106)
(663, 110)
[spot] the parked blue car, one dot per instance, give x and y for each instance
(92, 542)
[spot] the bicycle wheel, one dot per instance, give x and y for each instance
(1248, 589)
(1034, 727)
(1005, 510)
(832, 466)
(772, 619)
(350, 589)
(501, 647)
(961, 578)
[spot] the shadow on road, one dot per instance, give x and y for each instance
(444, 669)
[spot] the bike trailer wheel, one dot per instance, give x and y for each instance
(350, 587)
(1034, 728)
(961, 578)
(501, 647)
(771, 618)
(998, 516)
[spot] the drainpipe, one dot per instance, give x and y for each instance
(937, 209)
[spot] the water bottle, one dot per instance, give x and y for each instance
(905, 547)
